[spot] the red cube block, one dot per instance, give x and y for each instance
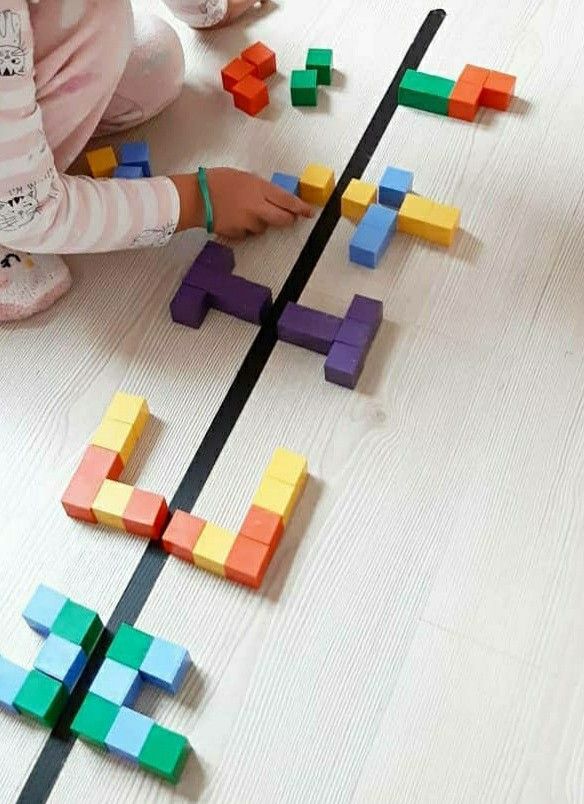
(498, 91)
(251, 95)
(247, 562)
(236, 71)
(145, 514)
(262, 58)
(263, 526)
(182, 534)
(100, 462)
(80, 495)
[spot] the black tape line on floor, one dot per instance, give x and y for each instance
(52, 758)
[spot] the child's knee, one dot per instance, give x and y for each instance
(160, 52)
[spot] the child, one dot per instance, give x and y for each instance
(70, 69)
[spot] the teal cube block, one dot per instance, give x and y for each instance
(320, 60)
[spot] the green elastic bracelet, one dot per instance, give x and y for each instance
(204, 188)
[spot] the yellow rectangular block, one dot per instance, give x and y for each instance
(117, 436)
(443, 224)
(212, 548)
(102, 162)
(110, 503)
(317, 184)
(278, 497)
(357, 198)
(414, 215)
(287, 466)
(131, 409)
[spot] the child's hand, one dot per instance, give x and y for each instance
(235, 8)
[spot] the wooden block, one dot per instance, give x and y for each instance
(146, 514)
(80, 495)
(251, 95)
(498, 91)
(130, 409)
(474, 75)
(234, 72)
(414, 215)
(278, 497)
(357, 198)
(317, 184)
(287, 466)
(102, 162)
(262, 58)
(247, 562)
(443, 224)
(182, 534)
(100, 462)
(212, 548)
(111, 502)
(116, 436)
(464, 101)
(261, 525)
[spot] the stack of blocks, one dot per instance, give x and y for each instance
(304, 83)
(243, 556)
(315, 185)
(476, 87)
(134, 162)
(210, 283)
(244, 78)
(95, 493)
(346, 342)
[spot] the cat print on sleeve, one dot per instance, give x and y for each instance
(154, 237)
(12, 54)
(18, 209)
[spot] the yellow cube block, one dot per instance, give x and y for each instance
(317, 184)
(111, 502)
(278, 497)
(117, 436)
(443, 224)
(356, 199)
(287, 466)
(212, 548)
(102, 162)
(130, 409)
(414, 215)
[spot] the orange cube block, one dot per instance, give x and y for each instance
(80, 495)
(182, 534)
(101, 462)
(263, 526)
(247, 562)
(464, 101)
(498, 91)
(474, 75)
(145, 514)
(262, 58)
(251, 95)
(236, 71)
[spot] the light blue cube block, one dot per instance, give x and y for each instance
(136, 153)
(128, 734)
(62, 660)
(128, 172)
(43, 609)
(394, 185)
(166, 665)
(117, 683)
(379, 217)
(12, 677)
(372, 236)
(286, 182)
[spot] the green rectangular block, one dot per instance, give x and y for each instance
(129, 646)
(304, 88)
(164, 753)
(41, 698)
(321, 60)
(427, 92)
(94, 719)
(79, 625)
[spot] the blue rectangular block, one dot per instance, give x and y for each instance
(394, 185)
(128, 172)
(166, 665)
(380, 217)
(61, 660)
(117, 683)
(12, 677)
(136, 153)
(286, 182)
(43, 609)
(128, 734)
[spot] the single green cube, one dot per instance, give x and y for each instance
(304, 89)
(427, 92)
(321, 60)
(94, 719)
(129, 646)
(164, 753)
(79, 625)
(42, 698)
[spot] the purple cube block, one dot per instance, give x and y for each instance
(356, 333)
(366, 310)
(230, 294)
(344, 364)
(308, 328)
(189, 306)
(216, 256)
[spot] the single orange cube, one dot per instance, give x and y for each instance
(498, 91)
(145, 514)
(251, 95)
(247, 562)
(463, 103)
(182, 534)
(236, 71)
(261, 525)
(101, 462)
(474, 75)
(262, 58)
(80, 495)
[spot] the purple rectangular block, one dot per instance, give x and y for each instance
(366, 310)
(233, 295)
(356, 333)
(189, 306)
(308, 328)
(344, 364)
(216, 255)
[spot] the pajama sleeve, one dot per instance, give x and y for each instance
(199, 13)
(43, 211)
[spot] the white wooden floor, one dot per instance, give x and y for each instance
(419, 635)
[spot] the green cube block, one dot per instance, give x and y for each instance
(164, 753)
(41, 698)
(304, 89)
(321, 60)
(79, 625)
(129, 646)
(94, 719)
(427, 92)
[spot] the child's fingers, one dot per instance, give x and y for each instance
(276, 216)
(284, 200)
(255, 225)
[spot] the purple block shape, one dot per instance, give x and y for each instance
(308, 328)
(189, 306)
(366, 310)
(356, 333)
(217, 256)
(230, 294)
(344, 364)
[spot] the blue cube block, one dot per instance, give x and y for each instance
(128, 734)
(43, 609)
(372, 239)
(379, 217)
(166, 665)
(394, 185)
(136, 153)
(117, 683)
(286, 182)
(61, 660)
(12, 677)
(128, 172)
